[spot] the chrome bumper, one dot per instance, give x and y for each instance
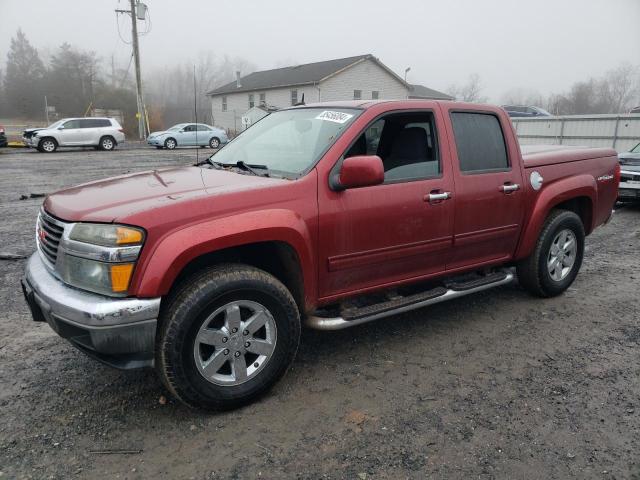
(116, 331)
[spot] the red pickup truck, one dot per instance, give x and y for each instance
(330, 215)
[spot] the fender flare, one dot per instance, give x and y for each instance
(552, 195)
(162, 264)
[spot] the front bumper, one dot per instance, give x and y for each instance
(629, 190)
(117, 331)
(154, 141)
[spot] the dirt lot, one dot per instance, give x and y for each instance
(497, 385)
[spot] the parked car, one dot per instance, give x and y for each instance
(3, 137)
(188, 135)
(630, 175)
(525, 111)
(635, 110)
(206, 272)
(101, 133)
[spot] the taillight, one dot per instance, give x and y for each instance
(1, 129)
(121, 130)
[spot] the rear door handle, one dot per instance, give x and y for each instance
(438, 197)
(510, 187)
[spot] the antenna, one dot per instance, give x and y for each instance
(195, 113)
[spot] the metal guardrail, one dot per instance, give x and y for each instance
(621, 132)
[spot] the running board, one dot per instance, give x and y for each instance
(339, 323)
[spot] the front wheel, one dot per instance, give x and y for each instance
(48, 145)
(170, 143)
(226, 337)
(557, 257)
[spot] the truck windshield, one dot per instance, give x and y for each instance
(288, 141)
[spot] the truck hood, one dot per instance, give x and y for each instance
(120, 197)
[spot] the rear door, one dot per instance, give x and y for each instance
(488, 188)
(188, 135)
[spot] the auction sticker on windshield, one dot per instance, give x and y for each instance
(337, 117)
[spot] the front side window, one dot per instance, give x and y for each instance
(294, 97)
(224, 104)
(251, 101)
(288, 142)
(357, 94)
(72, 124)
(406, 143)
(479, 142)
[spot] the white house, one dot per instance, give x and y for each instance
(352, 78)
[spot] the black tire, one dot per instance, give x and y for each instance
(170, 143)
(188, 310)
(43, 145)
(533, 273)
(107, 143)
(214, 142)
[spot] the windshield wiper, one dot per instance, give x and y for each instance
(247, 167)
(251, 168)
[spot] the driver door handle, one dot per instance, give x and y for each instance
(510, 187)
(438, 197)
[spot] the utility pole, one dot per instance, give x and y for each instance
(136, 58)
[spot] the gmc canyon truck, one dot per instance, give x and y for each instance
(331, 215)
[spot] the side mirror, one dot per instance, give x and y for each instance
(360, 171)
(61, 127)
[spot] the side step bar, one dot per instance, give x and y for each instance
(339, 323)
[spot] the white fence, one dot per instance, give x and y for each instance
(621, 132)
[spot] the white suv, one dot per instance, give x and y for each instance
(101, 133)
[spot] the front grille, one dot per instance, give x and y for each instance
(626, 177)
(48, 235)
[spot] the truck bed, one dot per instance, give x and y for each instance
(539, 155)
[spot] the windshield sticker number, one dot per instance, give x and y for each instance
(337, 117)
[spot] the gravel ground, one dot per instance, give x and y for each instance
(497, 385)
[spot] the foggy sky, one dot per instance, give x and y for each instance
(542, 45)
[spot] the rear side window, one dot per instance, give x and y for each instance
(480, 142)
(94, 123)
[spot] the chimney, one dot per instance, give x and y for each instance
(238, 84)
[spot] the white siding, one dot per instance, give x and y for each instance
(367, 76)
(238, 104)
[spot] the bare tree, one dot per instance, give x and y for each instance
(470, 91)
(619, 89)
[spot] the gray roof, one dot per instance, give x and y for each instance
(420, 91)
(308, 73)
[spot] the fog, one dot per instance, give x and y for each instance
(542, 45)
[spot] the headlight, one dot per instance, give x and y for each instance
(100, 257)
(107, 235)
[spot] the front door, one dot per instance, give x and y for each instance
(489, 193)
(71, 134)
(402, 229)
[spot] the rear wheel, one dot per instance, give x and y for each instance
(170, 143)
(557, 257)
(214, 142)
(48, 145)
(226, 337)
(107, 143)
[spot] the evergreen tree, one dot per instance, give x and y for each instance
(23, 79)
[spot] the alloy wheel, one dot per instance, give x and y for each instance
(562, 255)
(235, 343)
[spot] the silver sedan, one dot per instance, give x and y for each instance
(188, 135)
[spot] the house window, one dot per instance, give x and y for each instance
(263, 99)
(224, 104)
(357, 94)
(251, 101)
(294, 97)
(375, 95)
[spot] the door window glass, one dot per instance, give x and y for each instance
(479, 142)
